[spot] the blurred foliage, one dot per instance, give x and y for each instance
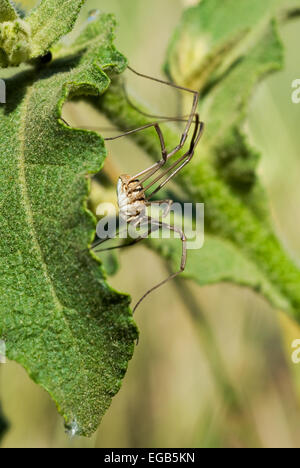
(174, 395)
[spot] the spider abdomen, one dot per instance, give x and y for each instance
(131, 198)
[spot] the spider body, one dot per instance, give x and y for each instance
(135, 192)
(131, 198)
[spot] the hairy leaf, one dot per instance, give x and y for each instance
(7, 11)
(49, 21)
(14, 42)
(214, 34)
(59, 318)
(241, 245)
(22, 40)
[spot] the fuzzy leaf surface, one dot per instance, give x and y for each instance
(60, 320)
(7, 11)
(51, 20)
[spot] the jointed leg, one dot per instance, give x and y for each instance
(181, 162)
(193, 110)
(149, 172)
(182, 262)
(156, 166)
(164, 118)
(184, 161)
(164, 152)
(122, 246)
(168, 204)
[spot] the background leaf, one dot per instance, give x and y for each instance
(214, 34)
(220, 261)
(7, 11)
(49, 21)
(60, 320)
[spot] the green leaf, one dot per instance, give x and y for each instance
(7, 11)
(14, 42)
(214, 34)
(222, 173)
(220, 260)
(22, 40)
(49, 21)
(224, 110)
(59, 318)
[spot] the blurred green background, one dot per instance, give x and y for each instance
(213, 366)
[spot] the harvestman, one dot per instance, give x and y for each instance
(133, 200)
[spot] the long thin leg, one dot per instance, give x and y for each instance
(193, 110)
(194, 142)
(135, 130)
(152, 169)
(184, 163)
(121, 246)
(184, 135)
(165, 156)
(168, 204)
(160, 120)
(162, 162)
(183, 160)
(183, 118)
(182, 262)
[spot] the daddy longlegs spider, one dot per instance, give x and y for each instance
(133, 195)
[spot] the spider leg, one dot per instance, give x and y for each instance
(156, 166)
(181, 162)
(199, 126)
(182, 262)
(122, 246)
(135, 130)
(153, 169)
(144, 127)
(192, 113)
(182, 118)
(168, 204)
(184, 161)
